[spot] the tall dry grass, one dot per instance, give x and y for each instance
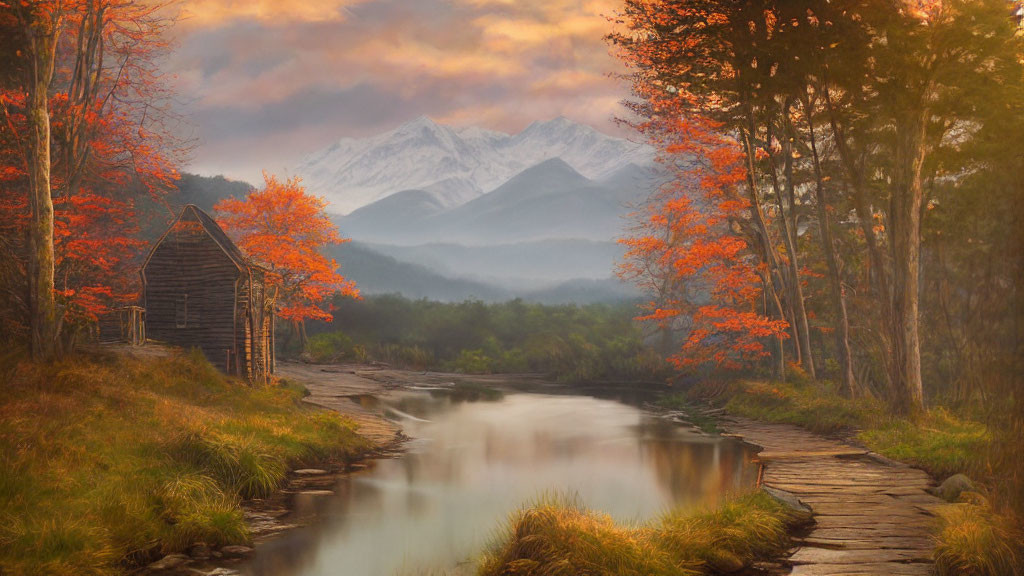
(107, 462)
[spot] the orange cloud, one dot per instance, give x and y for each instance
(204, 13)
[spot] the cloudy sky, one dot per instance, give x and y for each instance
(266, 82)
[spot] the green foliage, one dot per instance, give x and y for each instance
(108, 462)
(558, 536)
(472, 362)
(815, 406)
(330, 347)
(573, 343)
(939, 442)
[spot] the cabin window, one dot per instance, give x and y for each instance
(181, 311)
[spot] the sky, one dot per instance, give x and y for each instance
(264, 82)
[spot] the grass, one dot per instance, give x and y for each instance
(937, 441)
(558, 536)
(973, 539)
(108, 462)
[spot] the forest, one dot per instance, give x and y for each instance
(847, 200)
(581, 344)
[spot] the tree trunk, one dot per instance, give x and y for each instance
(905, 231)
(788, 225)
(771, 281)
(878, 273)
(41, 43)
(842, 328)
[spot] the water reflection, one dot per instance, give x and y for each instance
(474, 461)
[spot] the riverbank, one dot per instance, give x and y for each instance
(111, 462)
(977, 533)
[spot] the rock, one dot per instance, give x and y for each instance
(222, 572)
(788, 500)
(310, 472)
(951, 489)
(168, 562)
(199, 551)
(725, 562)
(236, 551)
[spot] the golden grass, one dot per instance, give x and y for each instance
(107, 462)
(975, 541)
(559, 537)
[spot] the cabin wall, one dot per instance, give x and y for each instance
(190, 286)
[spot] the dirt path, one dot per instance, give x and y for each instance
(873, 516)
(352, 389)
(346, 389)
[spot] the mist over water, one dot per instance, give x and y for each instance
(472, 463)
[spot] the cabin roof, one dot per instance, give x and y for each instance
(219, 236)
(215, 232)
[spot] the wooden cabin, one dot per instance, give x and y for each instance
(199, 290)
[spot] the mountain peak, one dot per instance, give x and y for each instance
(458, 165)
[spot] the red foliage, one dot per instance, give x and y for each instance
(688, 249)
(286, 229)
(108, 145)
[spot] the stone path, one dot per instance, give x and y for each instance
(873, 516)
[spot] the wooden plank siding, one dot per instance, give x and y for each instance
(197, 291)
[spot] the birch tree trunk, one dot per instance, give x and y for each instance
(905, 230)
(41, 32)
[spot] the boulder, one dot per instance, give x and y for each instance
(199, 551)
(168, 562)
(236, 551)
(952, 487)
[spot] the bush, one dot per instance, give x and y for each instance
(331, 347)
(472, 362)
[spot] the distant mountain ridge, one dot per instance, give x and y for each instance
(550, 200)
(455, 166)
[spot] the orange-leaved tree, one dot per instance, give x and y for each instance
(690, 250)
(285, 229)
(84, 131)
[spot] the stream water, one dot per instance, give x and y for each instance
(475, 458)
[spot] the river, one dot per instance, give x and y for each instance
(476, 457)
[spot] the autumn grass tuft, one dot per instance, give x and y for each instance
(108, 462)
(558, 536)
(974, 541)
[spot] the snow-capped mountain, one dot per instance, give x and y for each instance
(455, 166)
